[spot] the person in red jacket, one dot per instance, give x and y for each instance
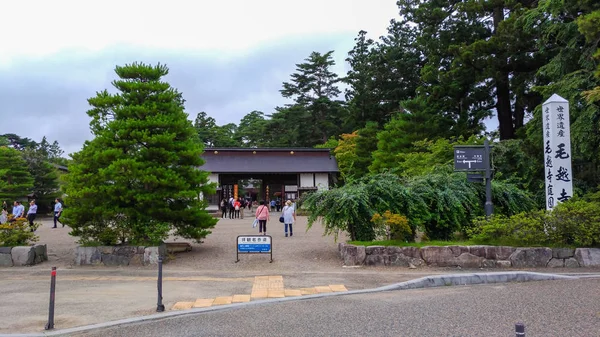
(262, 214)
(236, 206)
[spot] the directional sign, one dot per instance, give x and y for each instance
(469, 158)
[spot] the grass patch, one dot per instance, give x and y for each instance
(412, 244)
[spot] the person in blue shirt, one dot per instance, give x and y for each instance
(57, 212)
(32, 212)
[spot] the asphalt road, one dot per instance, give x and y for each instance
(548, 308)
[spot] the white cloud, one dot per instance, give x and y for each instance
(38, 28)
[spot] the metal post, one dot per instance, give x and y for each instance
(160, 306)
(489, 207)
(520, 330)
(50, 324)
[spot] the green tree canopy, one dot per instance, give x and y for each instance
(138, 179)
(15, 180)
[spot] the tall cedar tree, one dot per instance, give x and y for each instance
(15, 181)
(139, 178)
(314, 88)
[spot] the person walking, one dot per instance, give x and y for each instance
(289, 217)
(57, 212)
(236, 207)
(262, 214)
(31, 213)
(223, 208)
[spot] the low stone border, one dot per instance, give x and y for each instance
(23, 255)
(118, 255)
(469, 256)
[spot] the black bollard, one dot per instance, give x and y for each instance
(520, 329)
(50, 324)
(160, 306)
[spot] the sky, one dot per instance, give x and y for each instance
(227, 57)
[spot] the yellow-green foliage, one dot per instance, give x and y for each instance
(395, 225)
(18, 233)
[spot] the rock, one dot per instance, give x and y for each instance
(375, 250)
(458, 250)
(411, 266)
(40, 253)
(87, 256)
(477, 250)
(438, 256)
(571, 263)
(5, 250)
(586, 257)
(488, 264)
(178, 247)
(556, 263)
(503, 252)
(530, 257)
(467, 260)
(23, 256)
(401, 260)
(503, 264)
(151, 255)
(115, 260)
(106, 249)
(354, 255)
(562, 253)
(137, 260)
(376, 259)
(414, 252)
(6, 260)
(128, 251)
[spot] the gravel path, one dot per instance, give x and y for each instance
(306, 250)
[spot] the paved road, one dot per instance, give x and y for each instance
(548, 308)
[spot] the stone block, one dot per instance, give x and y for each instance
(458, 250)
(178, 247)
(115, 260)
(562, 253)
(41, 253)
(376, 260)
(128, 251)
(503, 252)
(503, 264)
(488, 264)
(375, 250)
(6, 260)
(586, 257)
(467, 260)
(354, 255)
(571, 263)
(414, 252)
(477, 250)
(5, 250)
(137, 260)
(438, 256)
(140, 250)
(23, 256)
(106, 249)
(556, 263)
(531, 257)
(150, 256)
(87, 256)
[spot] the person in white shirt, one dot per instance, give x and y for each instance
(32, 212)
(289, 217)
(57, 212)
(17, 211)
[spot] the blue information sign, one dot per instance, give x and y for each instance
(254, 244)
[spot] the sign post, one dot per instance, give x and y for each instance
(477, 158)
(557, 151)
(254, 244)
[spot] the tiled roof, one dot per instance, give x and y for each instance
(268, 161)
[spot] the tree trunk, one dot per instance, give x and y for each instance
(503, 108)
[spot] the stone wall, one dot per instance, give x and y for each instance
(23, 255)
(118, 255)
(469, 256)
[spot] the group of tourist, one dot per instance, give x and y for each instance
(288, 215)
(234, 208)
(18, 211)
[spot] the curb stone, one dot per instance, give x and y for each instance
(423, 282)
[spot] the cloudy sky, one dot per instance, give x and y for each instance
(227, 57)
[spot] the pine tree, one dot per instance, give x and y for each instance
(138, 179)
(45, 177)
(15, 180)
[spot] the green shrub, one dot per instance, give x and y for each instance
(18, 233)
(394, 226)
(573, 223)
